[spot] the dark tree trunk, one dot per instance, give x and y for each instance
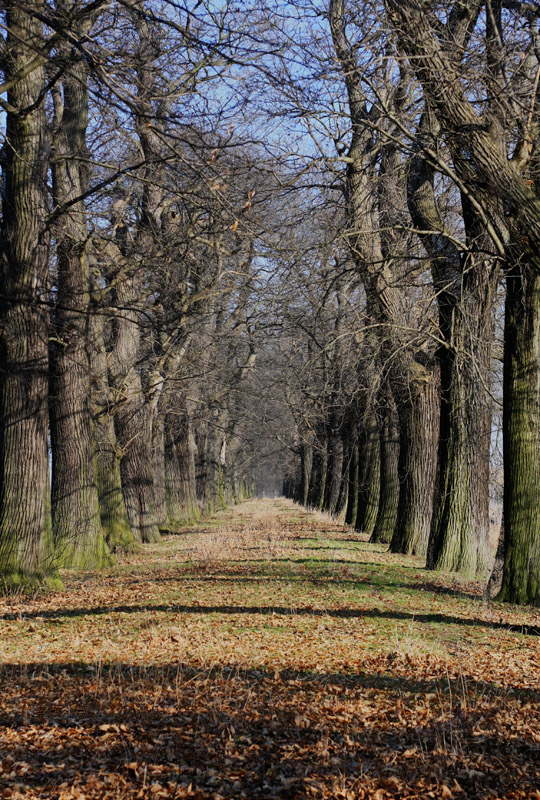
(135, 409)
(353, 478)
(174, 478)
(521, 431)
(461, 524)
(25, 523)
(306, 458)
(202, 467)
(376, 207)
(369, 484)
(323, 475)
(188, 451)
(385, 523)
(507, 187)
(343, 499)
(494, 584)
(318, 475)
(112, 507)
(335, 472)
(419, 431)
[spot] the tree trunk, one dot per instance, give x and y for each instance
(78, 535)
(369, 484)
(182, 502)
(323, 475)
(494, 584)
(353, 478)
(460, 533)
(419, 431)
(385, 523)
(134, 435)
(335, 472)
(521, 431)
(306, 466)
(465, 283)
(343, 499)
(174, 481)
(133, 417)
(25, 523)
(376, 208)
(112, 507)
(160, 480)
(318, 476)
(509, 201)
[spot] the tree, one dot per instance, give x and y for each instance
(25, 521)
(465, 277)
(494, 151)
(375, 184)
(78, 535)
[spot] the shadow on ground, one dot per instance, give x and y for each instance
(232, 732)
(340, 613)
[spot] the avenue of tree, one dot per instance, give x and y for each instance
(262, 246)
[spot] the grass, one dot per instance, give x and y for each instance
(270, 652)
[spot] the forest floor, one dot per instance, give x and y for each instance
(269, 652)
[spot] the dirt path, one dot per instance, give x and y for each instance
(269, 652)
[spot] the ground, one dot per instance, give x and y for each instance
(268, 653)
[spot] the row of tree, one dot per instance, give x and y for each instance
(239, 243)
(127, 266)
(437, 129)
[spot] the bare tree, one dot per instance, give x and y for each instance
(25, 523)
(493, 150)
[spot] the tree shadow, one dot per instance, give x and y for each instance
(268, 576)
(353, 539)
(232, 730)
(338, 613)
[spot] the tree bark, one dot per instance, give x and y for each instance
(385, 523)
(323, 475)
(133, 418)
(78, 536)
(521, 442)
(494, 584)
(335, 472)
(461, 525)
(318, 475)
(112, 507)
(465, 283)
(343, 498)
(306, 460)
(369, 484)
(159, 464)
(25, 522)
(376, 206)
(419, 432)
(180, 459)
(353, 478)
(505, 191)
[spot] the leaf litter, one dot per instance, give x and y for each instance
(270, 653)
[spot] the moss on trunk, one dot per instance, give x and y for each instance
(521, 428)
